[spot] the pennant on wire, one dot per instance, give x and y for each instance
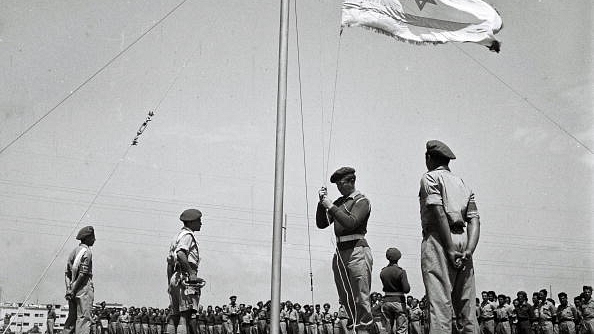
(426, 21)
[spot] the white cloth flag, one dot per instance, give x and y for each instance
(426, 21)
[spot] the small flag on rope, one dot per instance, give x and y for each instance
(426, 21)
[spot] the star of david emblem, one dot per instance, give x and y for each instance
(421, 3)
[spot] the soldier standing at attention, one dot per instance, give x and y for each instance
(547, 312)
(79, 284)
(566, 315)
(487, 314)
(182, 270)
(352, 262)
(451, 229)
(523, 313)
(396, 287)
(233, 313)
(51, 319)
(416, 314)
(587, 309)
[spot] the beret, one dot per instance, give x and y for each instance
(190, 215)
(85, 232)
(439, 148)
(393, 254)
(340, 173)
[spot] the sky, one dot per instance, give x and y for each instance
(520, 123)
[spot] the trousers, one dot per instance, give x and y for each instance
(450, 291)
(79, 310)
(352, 275)
(395, 313)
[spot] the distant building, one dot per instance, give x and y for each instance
(24, 318)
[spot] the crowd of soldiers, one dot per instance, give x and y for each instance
(496, 313)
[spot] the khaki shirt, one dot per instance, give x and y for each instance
(442, 187)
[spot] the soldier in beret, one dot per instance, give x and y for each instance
(395, 286)
(79, 285)
(451, 228)
(182, 271)
(352, 262)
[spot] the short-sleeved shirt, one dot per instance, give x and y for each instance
(416, 314)
(80, 261)
(588, 310)
(503, 313)
(441, 187)
(488, 310)
(189, 245)
(546, 311)
(566, 312)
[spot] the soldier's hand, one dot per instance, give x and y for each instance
(68, 295)
(193, 279)
(322, 193)
(466, 255)
(327, 203)
(455, 258)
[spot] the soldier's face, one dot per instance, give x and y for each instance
(345, 186)
(195, 225)
(563, 300)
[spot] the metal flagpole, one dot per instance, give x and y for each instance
(279, 170)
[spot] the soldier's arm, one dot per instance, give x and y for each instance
(321, 216)
(351, 220)
(443, 230)
(80, 281)
(404, 282)
(182, 258)
(473, 229)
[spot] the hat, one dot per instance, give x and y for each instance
(190, 215)
(84, 232)
(340, 173)
(435, 147)
(393, 254)
(233, 297)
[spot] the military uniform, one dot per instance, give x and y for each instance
(182, 297)
(395, 285)
(416, 315)
(502, 318)
(352, 262)
(450, 291)
(567, 316)
(546, 312)
(487, 314)
(51, 320)
(588, 316)
(80, 306)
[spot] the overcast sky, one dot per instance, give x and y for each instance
(515, 120)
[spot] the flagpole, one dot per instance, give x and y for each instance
(279, 168)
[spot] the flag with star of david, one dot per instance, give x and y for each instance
(426, 21)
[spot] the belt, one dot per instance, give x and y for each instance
(397, 294)
(502, 320)
(350, 237)
(488, 319)
(566, 320)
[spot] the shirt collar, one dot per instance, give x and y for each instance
(353, 194)
(443, 168)
(187, 229)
